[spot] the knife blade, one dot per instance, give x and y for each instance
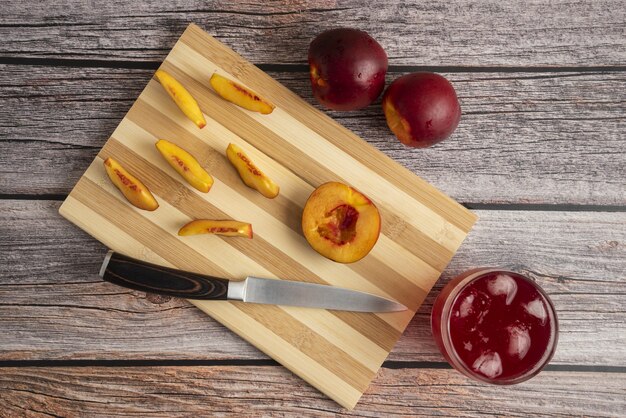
(140, 275)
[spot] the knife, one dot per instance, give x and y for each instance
(140, 275)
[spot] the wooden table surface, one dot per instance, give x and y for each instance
(539, 155)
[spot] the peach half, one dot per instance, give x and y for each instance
(240, 95)
(183, 99)
(185, 165)
(251, 175)
(209, 226)
(340, 223)
(133, 190)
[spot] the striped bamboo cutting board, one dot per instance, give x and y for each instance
(300, 148)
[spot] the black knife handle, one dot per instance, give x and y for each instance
(139, 275)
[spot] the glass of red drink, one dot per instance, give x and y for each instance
(495, 326)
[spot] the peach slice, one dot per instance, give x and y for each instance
(208, 226)
(250, 173)
(130, 186)
(181, 97)
(340, 222)
(187, 166)
(240, 95)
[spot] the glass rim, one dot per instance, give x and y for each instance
(454, 357)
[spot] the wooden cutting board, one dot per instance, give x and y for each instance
(300, 148)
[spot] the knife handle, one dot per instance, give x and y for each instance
(139, 275)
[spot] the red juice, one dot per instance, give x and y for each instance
(495, 326)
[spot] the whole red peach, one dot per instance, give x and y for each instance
(421, 109)
(347, 68)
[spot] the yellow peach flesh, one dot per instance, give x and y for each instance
(240, 95)
(217, 227)
(183, 99)
(131, 187)
(251, 175)
(185, 165)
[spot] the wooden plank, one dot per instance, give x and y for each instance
(530, 138)
(479, 33)
(300, 148)
(269, 390)
(53, 305)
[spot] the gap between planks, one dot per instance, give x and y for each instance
(390, 364)
(302, 68)
(520, 207)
